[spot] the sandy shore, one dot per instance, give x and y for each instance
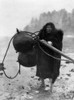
(23, 87)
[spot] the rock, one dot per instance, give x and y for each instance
(72, 70)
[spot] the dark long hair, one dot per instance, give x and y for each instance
(51, 24)
(43, 30)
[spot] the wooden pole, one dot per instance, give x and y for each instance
(56, 50)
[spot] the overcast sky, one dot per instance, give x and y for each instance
(18, 13)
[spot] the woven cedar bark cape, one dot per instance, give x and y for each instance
(48, 67)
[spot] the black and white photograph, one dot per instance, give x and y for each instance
(36, 50)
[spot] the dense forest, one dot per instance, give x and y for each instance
(62, 19)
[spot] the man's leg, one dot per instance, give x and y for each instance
(49, 85)
(42, 84)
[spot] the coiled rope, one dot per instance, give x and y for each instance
(2, 64)
(34, 37)
(52, 55)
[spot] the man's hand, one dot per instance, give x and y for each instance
(50, 42)
(42, 40)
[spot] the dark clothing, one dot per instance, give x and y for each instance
(48, 67)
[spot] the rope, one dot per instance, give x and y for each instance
(53, 56)
(13, 76)
(31, 34)
(48, 53)
(4, 60)
(7, 49)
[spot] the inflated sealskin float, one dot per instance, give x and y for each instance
(23, 41)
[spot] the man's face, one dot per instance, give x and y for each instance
(48, 29)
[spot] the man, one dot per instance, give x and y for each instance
(47, 66)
